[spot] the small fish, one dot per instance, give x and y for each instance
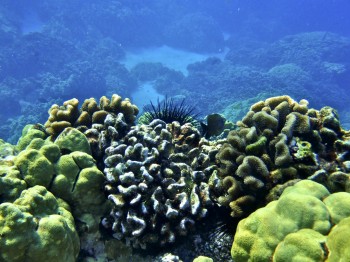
(214, 126)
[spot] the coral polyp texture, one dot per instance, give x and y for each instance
(36, 228)
(277, 143)
(157, 181)
(307, 223)
(63, 167)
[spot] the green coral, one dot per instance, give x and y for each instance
(79, 182)
(11, 184)
(35, 168)
(304, 245)
(292, 227)
(71, 139)
(203, 259)
(338, 241)
(36, 228)
(30, 132)
(73, 177)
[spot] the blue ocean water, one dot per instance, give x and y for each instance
(213, 52)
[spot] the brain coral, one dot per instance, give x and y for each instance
(295, 227)
(36, 228)
(157, 181)
(278, 142)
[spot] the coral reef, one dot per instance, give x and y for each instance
(299, 63)
(36, 227)
(11, 183)
(202, 259)
(157, 180)
(279, 141)
(69, 175)
(150, 184)
(69, 115)
(56, 50)
(308, 218)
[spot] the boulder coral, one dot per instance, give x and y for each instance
(11, 183)
(79, 182)
(36, 228)
(279, 141)
(63, 168)
(303, 225)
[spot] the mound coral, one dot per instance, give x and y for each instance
(278, 142)
(36, 228)
(11, 183)
(302, 225)
(62, 168)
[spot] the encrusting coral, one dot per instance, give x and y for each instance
(303, 224)
(277, 143)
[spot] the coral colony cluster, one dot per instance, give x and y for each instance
(150, 183)
(158, 182)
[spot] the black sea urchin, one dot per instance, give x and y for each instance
(169, 110)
